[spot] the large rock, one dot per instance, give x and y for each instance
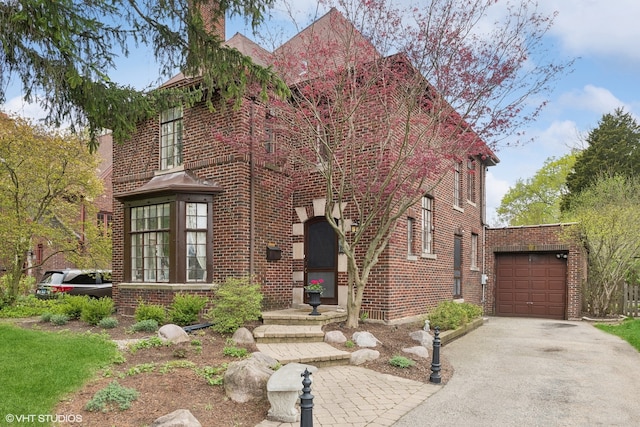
(243, 336)
(335, 337)
(424, 338)
(419, 351)
(365, 339)
(247, 380)
(178, 418)
(359, 357)
(265, 359)
(173, 333)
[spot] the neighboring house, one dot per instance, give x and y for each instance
(190, 210)
(42, 256)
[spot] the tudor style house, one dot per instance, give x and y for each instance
(190, 210)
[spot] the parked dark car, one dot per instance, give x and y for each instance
(94, 283)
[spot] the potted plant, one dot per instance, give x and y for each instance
(314, 291)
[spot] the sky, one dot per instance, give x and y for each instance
(603, 37)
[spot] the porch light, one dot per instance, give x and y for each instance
(355, 225)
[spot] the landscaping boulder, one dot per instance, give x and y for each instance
(283, 389)
(246, 380)
(178, 418)
(173, 333)
(419, 351)
(335, 337)
(365, 339)
(359, 357)
(243, 336)
(424, 338)
(265, 359)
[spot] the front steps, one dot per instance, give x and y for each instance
(293, 336)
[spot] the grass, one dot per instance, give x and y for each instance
(628, 330)
(38, 368)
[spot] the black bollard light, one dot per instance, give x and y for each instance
(306, 401)
(435, 359)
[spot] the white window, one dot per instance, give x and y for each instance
(171, 138)
(474, 250)
(457, 185)
(410, 236)
(427, 225)
(471, 181)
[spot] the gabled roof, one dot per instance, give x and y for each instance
(171, 183)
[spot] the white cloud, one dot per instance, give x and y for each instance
(592, 98)
(19, 107)
(606, 28)
(496, 189)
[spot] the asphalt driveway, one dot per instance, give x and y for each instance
(536, 372)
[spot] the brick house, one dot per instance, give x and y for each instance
(190, 211)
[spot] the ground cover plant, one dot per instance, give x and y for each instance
(452, 315)
(628, 330)
(38, 368)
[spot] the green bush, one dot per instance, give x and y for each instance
(112, 395)
(146, 311)
(185, 309)
(46, 317)
(236, 301)
(97, 309)
(59, 319)
(234, 351)
(73, 305)
(149, 325)
(108, 323)
(452, 315)
(401, 362)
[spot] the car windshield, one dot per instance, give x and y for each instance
(52, 278)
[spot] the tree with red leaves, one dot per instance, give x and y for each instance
(385, 100)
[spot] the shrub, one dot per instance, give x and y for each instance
(235, 351)
(185, 309)
(451, 315)
(108, 323)
(112, 395)
(73, 305)
(29, 306)
(146, 311)
(97, 309)
(401, 362)
(236, 301)
(149, 325)
(59, 319)
(46, 317)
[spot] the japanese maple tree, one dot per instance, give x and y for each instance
(384, 101)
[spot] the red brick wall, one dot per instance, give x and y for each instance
(538, 238)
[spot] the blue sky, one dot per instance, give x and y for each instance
(603, 35)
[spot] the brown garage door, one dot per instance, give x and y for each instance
(531, 285)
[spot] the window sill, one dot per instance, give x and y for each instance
(429, 256)
(475, 269)
(458, 208)
(169, 286)
(471, 202)
(412, 257)
(168, 171)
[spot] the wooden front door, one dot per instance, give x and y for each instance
(321, 258)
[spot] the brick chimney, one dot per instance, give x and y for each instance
(214, 24)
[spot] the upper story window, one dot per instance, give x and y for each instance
(471, 181)
(427, 225)
(171, 138)
(474, 250)
(457, 184)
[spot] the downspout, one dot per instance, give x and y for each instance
(252, 224)
(483, 213)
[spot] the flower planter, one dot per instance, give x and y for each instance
(314, 301)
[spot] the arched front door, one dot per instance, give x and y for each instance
(321, 258)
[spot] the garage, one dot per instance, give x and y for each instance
(531, 284)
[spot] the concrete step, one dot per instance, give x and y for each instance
(288, 333)
(300, 316)
(313, 353)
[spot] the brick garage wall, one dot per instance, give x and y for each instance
(539, 238)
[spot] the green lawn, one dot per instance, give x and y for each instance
(629, 330)
(37, 368)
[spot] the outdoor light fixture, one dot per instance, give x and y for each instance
(559, 256)
(355, 225)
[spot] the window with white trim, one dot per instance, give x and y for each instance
(427, 225)
(471, 181)
(457, 184)
(474, 250)
(410, 236)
